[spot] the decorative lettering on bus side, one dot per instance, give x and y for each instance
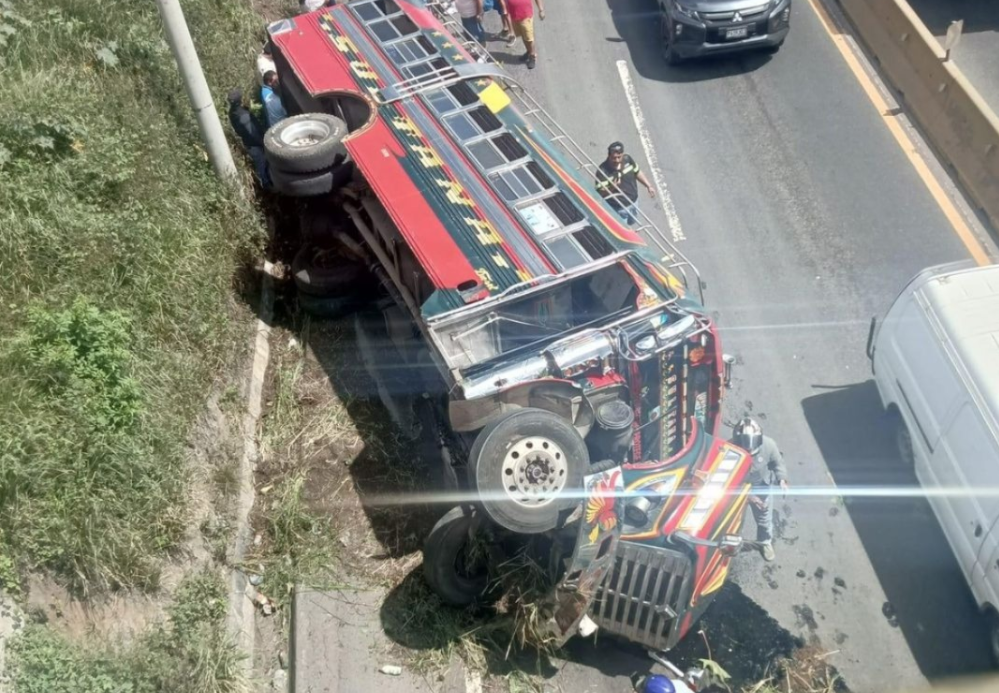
(455, 193)
(484, 232)
(362, 70)
(486, 278)
(343, 43)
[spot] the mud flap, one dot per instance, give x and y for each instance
(596, 543)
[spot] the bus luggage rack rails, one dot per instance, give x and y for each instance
(673, 258)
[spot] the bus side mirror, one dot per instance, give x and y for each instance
(728, 360)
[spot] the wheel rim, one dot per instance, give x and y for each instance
(534, 472)
(305, 133)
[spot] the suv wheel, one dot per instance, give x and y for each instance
(528, 468)
(669, 54)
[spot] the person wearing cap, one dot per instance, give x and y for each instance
(251, 134)
(617, 182)
(768, 469)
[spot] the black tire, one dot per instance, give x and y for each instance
(993, 617)
(345, 279)
(310, 185)
(669, 55)
(305, 143)
(903, 441)
(518, 461)
(445, 560)
(328, 308)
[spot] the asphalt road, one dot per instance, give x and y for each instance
(978, 52)
(805, 218)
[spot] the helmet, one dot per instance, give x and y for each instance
(657, 684)
(748, 435)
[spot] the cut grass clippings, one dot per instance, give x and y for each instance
(117, 256)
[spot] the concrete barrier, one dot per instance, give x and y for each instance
(955, 118)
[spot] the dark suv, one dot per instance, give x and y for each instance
(694, 28)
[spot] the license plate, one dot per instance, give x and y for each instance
(737, 33)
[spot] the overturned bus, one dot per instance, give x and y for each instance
(563, 358)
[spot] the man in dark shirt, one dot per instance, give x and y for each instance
(251, 134)
(617, 182)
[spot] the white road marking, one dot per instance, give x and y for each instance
(672, 218)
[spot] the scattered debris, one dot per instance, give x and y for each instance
(888, 609)
(820, 573)
(391, 670)
(265, 604)
(840, 582)
(800, 573)
(806, 617)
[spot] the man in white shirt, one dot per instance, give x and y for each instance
(470, 12)
(265, 63)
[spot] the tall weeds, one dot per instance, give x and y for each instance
(118, 250)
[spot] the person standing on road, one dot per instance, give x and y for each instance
(250, 134)
(507, 33)
(768, 469)
(617, 182)
(271, 100)
(470, 12)
(521, 14)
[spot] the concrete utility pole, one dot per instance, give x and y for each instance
(182, 46)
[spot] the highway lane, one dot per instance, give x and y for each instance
(805, 218)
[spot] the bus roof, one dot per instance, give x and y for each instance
(484, 199)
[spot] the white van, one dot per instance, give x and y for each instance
(935, 358)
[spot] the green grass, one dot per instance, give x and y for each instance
(118, 250)
(188, 653)
(300, 546)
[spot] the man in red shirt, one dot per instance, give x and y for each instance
(521, 14)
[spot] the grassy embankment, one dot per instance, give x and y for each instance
(118, 251)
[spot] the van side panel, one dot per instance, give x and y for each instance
(966, 470)
(925, 386)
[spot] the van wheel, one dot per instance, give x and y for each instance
(994, 635)
(528, 468)
(903, 441)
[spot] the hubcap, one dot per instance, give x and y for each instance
(534, 472)
(305, 133)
